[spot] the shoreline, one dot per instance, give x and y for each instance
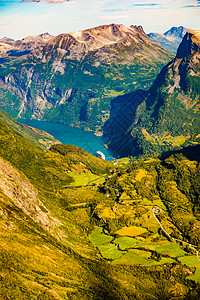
(89, 141)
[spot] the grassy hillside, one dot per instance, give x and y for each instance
(34, 135)
(96, 238)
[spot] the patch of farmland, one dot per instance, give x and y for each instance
(110, 251)
(131, 231)
(98, 238)
(125, 242)
(191, 261)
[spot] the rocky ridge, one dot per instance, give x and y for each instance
(26, 44)
(96, 38)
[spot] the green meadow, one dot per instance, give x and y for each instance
(191, 261)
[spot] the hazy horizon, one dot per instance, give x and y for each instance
(19, 19)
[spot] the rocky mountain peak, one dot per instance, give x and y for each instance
(6, 39)
(100, 36)
(190, 44)
(170, 39)
(46, 35)
(138, 28)
(176, 32)
(40, 37)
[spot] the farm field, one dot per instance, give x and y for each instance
(98, 238)
(191, 261)
(136, 237)
(141, 251)
(131, 231)
(125, 242)
(85, 178)
(141, 258)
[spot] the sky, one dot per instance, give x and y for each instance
(19, 18)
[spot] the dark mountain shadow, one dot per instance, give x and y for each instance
(191, 152)
(116, 132)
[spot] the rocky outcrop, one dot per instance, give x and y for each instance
(18, 188)
(190, 44)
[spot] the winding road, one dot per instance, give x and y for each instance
(154, 211)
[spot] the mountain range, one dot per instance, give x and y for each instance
(6, 39)
(170, 39)
(167, 116)
(71, 78)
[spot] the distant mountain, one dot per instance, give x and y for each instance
(171, 39)
(27, 43)
(10, 49)
(35, 40)
(176, 33)
(71, 78)
(6, 39)
(168, 117)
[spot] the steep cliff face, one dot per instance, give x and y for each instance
(71, 78)
(18, 188)
(169, 116)
(190, 45)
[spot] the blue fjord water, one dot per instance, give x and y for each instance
(71, 135)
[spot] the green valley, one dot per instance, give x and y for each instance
(74, 226)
